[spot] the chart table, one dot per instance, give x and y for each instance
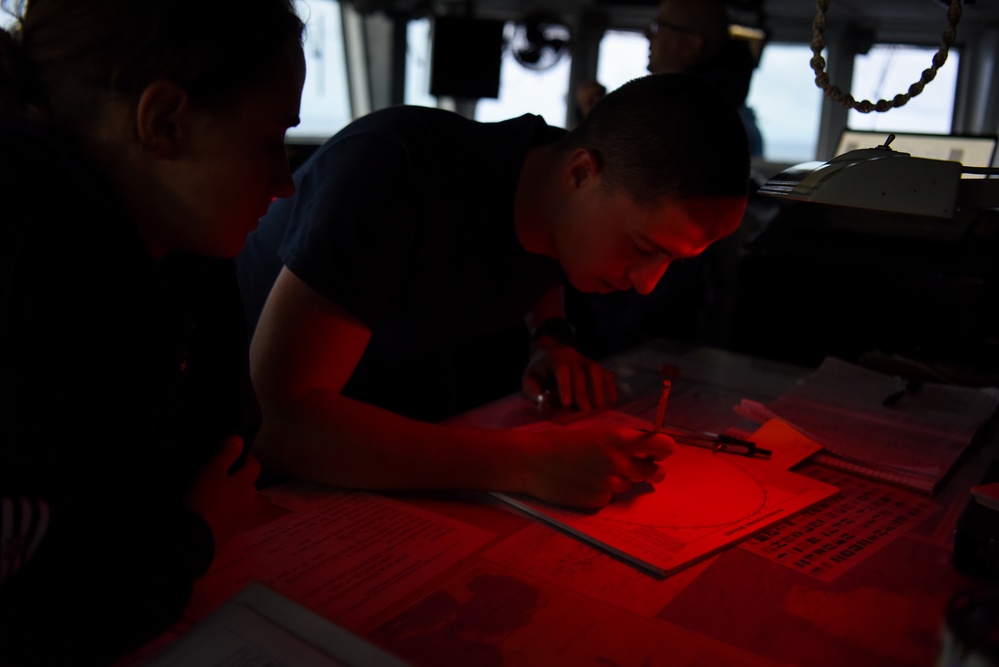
(861, 578)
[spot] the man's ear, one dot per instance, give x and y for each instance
(581, 168)
(691, 48)
(159, 118)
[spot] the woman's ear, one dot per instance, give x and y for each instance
(159, 118)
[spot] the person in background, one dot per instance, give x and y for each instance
(416, 235)
(693, 38)
(140, 142)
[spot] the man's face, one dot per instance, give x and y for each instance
(674, 43)
(607, 242)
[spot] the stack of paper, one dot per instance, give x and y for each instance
(878, 426)
(262, 628)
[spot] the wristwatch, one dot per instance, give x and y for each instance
(558, 328)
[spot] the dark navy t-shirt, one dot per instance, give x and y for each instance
(405, 220)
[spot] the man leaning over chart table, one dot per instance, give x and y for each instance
(415, 232)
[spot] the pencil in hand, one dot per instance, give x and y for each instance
(657, 426)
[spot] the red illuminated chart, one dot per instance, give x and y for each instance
(711, 491)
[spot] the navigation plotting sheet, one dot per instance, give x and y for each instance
(707, 501)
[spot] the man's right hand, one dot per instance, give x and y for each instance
(586, 468)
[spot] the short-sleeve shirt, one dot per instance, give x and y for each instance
(405, 220)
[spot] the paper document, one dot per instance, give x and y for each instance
(706, 502)
(913, 440)
(345, 554)
(261, 628)
(987, 494)
(830, 538)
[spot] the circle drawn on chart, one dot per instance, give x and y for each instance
(701, 490)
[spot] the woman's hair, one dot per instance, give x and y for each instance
(667, 136)
(62, 59)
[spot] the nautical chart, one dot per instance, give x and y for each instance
(706, 491)
(706, 502)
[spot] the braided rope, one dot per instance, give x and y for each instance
(818, 63)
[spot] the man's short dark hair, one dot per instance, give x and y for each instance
(667, 136)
